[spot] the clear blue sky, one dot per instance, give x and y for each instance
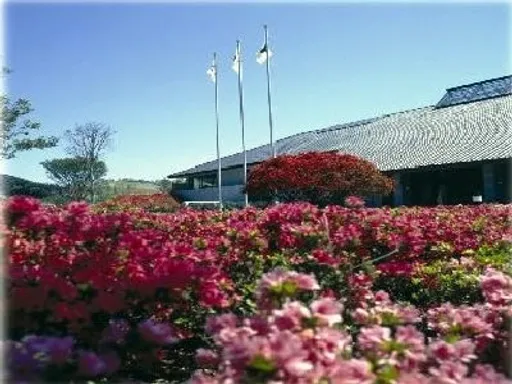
(142, 69)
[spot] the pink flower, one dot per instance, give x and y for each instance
(285, 346)
(327, 311)
(371, 338)
(496, 287)
(411, 337)
(351, 372)
(487, 374)
(199, 377)
(414, 378)
(449, 372)
(291, 316)
(306, 282)
(329, 343)
(206, 358)
(382, 297)
(464, 350)
(298, 367)
(354, 202)
(214, 324)
(282, 283)
(442, 351)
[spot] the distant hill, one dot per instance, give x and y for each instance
(106, 188)
(17, 186)
(131, 187)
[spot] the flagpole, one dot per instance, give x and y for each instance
(269, 97)
(242, 117)
(219, 166)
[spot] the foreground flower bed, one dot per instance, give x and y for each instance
(375, 341)
(127, 294)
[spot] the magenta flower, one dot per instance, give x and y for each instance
(116, 331)
(206, 358)
(91, 365)
(157, 333)
(112, 362)
(55, 350)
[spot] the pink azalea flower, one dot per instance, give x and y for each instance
(371, 338)
(291, 315)
(327, 311)
(206, 358)
(351, 372)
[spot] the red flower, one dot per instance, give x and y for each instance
(110, 302)
(211, 295)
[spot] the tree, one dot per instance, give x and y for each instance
(16, 132)
(318, 177)
(74, 174)
(89, 142)
(164, 185)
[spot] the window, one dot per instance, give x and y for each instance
(208, 181)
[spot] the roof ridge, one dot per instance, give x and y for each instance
(478, 82)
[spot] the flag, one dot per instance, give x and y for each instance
(264, 54)
(237, 60)
(212, 72)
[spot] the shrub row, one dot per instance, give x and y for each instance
(77, 276)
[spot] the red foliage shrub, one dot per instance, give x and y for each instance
(317, 177)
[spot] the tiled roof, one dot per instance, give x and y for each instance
(500, 86)
(460, 132)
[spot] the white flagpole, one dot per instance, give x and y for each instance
(238, 63)
(269, 97)
(219, 165)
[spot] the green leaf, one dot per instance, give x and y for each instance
(262, 364)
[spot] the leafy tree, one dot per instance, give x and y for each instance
(317, 177)
(74, 174)
(164, 185)
(89, 142)
(17, 128)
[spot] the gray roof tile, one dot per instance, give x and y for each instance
(464, 132)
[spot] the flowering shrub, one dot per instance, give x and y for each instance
(317, 177)
(454, 280)
(292, 341)
(133, 289)
(159, 202)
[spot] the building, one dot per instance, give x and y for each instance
(448, 153)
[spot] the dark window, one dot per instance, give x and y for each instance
(208, 181)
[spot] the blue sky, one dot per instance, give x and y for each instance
(142, 69)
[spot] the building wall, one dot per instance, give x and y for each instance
(231, 193)
(449, 184)
(230, 177)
